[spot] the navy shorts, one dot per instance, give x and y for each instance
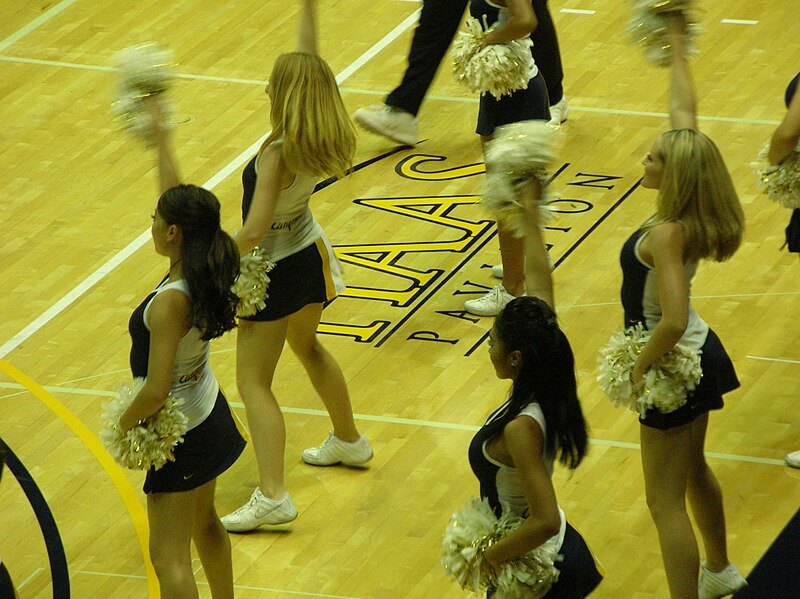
(523, 105)
(719, 377)
(579, 571)
(310, 276)
(207, 451)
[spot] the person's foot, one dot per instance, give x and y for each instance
(713, 585)
(793, 459)
(260, 510)
(490, 304)
(558, 112)
(497, 271)
(394, 123)
(335, 451)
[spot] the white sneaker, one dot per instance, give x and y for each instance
(335, 451)
(559, 112)
(491, 303)
(394, 123)
(713, 585)
(793, 459)
(260, 510)
(497, 271)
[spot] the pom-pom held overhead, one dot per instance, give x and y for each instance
(648, 27)
(497, 69)
(252, 283)
(145, 70)
(780, 182)
(518, 153)
(475, 528)
(667, 384)
(150, 444)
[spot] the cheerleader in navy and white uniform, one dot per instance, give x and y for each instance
(170, 331)
(312, 137)
(698, 216)
(514, 19)
(512, 455)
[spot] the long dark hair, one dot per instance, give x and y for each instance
(546, 375)
(210, 257)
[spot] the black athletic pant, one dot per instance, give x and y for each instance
(437, 26)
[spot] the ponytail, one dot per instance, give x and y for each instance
(210, 257)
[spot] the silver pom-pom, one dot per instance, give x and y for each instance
(497, 69)
(648, 27)
(145, 70)
(475, 528)
(518, 153)
(667, 384)
(252, 283)
(150, 444)
(780, 182)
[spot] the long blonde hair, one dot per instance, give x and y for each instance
(697, 190)
(309, 116)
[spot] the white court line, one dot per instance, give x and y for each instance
(412, 422)
(235, 586)
(578, 11)
(783, 360)
(33, 575)
(739, 22)
(40, 20)
(370, 92)
(237, 162)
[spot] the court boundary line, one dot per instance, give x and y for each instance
(35, 24)
(454, 426)
(353, 90)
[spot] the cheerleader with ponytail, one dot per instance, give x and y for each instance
(512, 455)
(171, 331)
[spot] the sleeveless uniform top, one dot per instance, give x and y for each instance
(489, 13)
(500, 484)
(640, 294)
(192, 378)
(293, 227)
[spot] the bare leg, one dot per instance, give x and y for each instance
(705, 497)
(258, 348)
(213, 544)
(322, 369)
(512, 251)
(171, 516)
(666, 459)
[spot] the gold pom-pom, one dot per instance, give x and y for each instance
(667, 383)
(519, 152)
(648, 27)
(475, 528)
(150, 444)
(252, 283)
(780, 182)
(497, 69)
(145, 70)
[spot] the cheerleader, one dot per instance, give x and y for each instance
(513, 454)
(514, 19)
(782, 150)
(171, 330)
(698, 216)
(311, 137)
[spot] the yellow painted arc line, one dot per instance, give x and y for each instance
(124, 488)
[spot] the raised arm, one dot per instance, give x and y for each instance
(682, 98)
(787, 135)
(520, 24)
(307, 37)
(168, 175)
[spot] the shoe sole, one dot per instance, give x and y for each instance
(362, 464)
(257, 526)
(375, 130)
